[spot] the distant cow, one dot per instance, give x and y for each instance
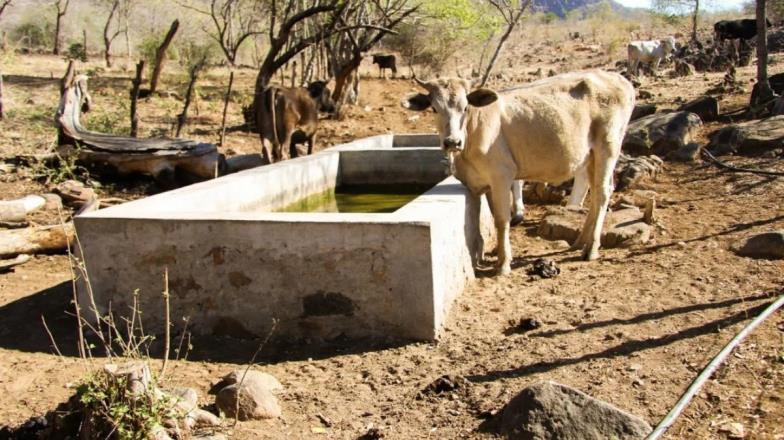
(652, 52)
(289, 116)
(737, 29)
(385, 62)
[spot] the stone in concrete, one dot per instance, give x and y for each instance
(661, 133)
(768, 245)
(549, 411)
(625, 227)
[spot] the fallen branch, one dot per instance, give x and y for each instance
(723, 165)
(15, 211)
(36, 240)
(7, 264)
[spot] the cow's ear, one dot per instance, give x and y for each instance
(482, 97)
(416, 102)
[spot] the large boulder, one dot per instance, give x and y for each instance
(623, 227)
(768, 245)
(247, 401)
(549, 411)
(706, 107)
(661, 133)
(642, 110)
(630, 170)
(749, 138)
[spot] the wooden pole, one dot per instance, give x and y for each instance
(160, 56)
(84, 45)
(765, 92)
(137, 82)
(182, 118)
(226, 108)
(2, 109)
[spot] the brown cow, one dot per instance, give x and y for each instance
(292, 120)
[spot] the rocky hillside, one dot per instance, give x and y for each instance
(561, 7)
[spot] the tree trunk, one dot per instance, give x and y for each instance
(226, 108)
(182, 118)
(160, 56)
(510, 27)
(2, 109)
(41, 239)
(137, 81)
(56, 50)
(343, 81)
(107, 41)
(84, 45)
(765, 92)
(694, 19)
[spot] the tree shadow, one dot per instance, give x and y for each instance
(624, 349)
(731, 230)
(654, 315)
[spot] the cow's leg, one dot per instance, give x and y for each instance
(517, 203)
(582, 238)
(655, 66)
(500, 203)
(265, 151)
(311, 140)
(633, 66)
(579, 188)
(604, 159)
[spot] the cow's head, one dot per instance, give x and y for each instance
(449, 98)
(319, 91)
(668, 44)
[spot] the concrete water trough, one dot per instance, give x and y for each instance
(235, 262)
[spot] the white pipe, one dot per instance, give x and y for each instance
(695, 386)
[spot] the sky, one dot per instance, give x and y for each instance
(715, 5)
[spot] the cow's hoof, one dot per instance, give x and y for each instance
(590, 254)
(516, 219)
(504, 270)
(576, 246)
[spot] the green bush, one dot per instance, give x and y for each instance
(76, 51)
(32, 34)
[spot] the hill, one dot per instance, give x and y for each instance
(561, 7)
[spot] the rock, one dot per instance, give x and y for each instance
(768, 245)
(644, 94)
(682, 68)
(259, 378)
(623, 227)
(524, 325)
(255, 402)
(706, 107)
(630, 170)
(549, 410)
(75, 193)
(749, 138)
(443, 384)
(733, 430)
(776, 84)
(661, 133)
(642, 110)
(687, 153)
(540, 192)
(637, 197)
(216, 436)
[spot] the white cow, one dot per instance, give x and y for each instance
(546, 131)
(652, 52)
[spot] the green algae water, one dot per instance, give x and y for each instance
(359, 199)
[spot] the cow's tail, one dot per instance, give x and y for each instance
(273, 101)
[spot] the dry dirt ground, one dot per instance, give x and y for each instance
(633, 328)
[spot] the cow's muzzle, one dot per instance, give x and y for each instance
(453, 144)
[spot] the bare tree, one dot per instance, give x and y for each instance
(233, 22)
(115, 16)
(197, 58)
(61, 6)
(2, 110)
(680, 6)
(347, 49)
(765, 91)
(285, 42)
(4, 4)
(511, 11)
(160, 56)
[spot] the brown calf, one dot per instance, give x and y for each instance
(292, 120)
